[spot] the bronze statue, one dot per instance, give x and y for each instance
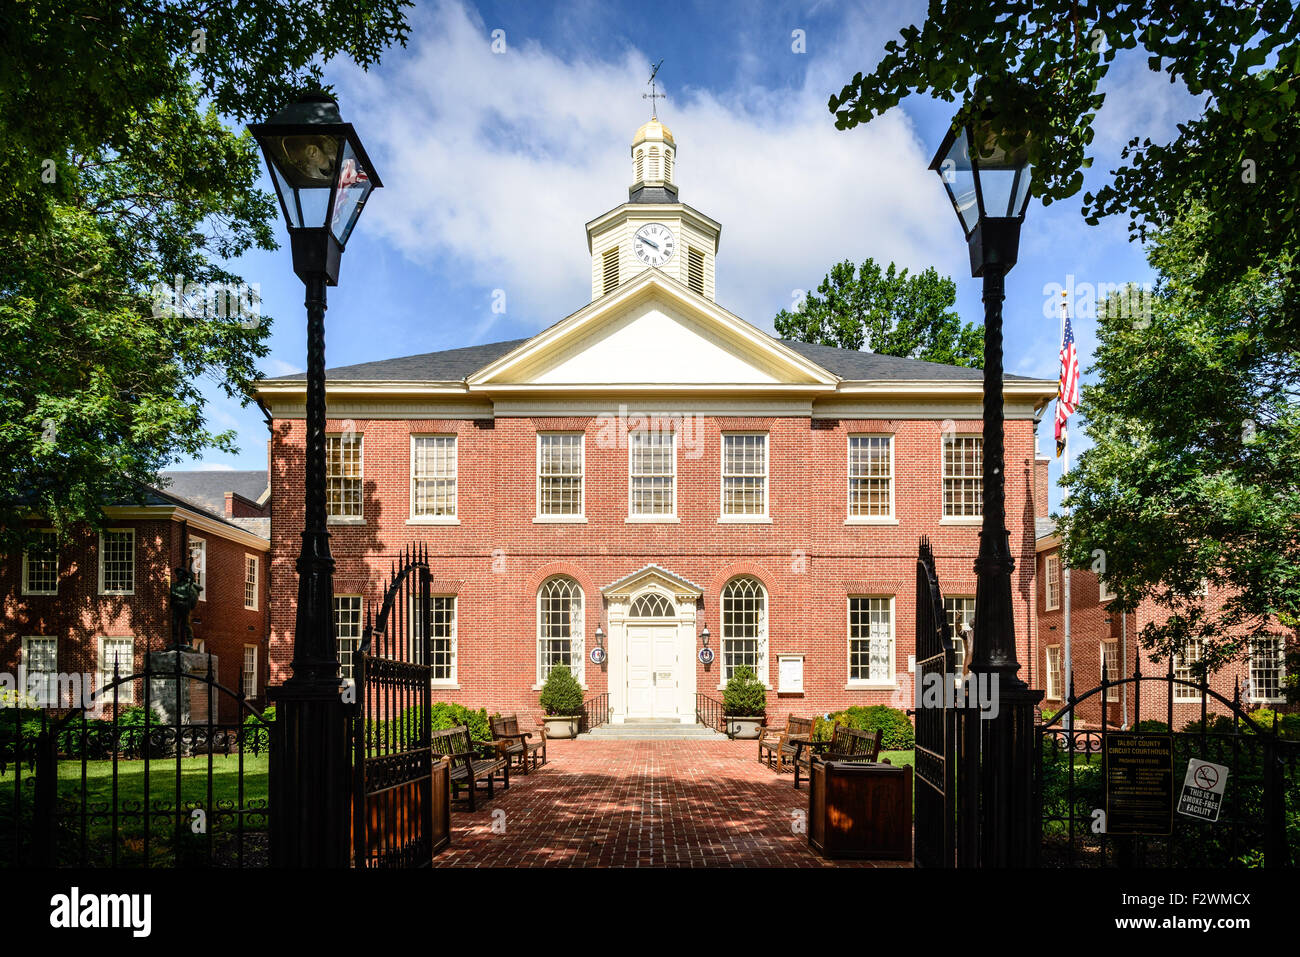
(184, 598)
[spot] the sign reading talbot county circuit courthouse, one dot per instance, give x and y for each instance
(1139, 771)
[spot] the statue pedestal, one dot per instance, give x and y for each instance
(185, 700)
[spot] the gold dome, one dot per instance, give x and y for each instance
(653, 130)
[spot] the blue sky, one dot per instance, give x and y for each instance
(493, 162)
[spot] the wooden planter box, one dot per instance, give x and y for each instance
(860, 810)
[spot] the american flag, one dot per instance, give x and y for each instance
(1067, 390)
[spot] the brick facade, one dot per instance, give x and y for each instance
(78, 616)
(808, 559)
(1091, 625)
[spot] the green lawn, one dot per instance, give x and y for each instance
(901, 758)
(162, 779)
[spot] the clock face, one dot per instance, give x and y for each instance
(654, 244)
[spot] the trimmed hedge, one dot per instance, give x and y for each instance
(898, 734)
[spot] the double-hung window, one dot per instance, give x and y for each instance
(652, 474)
(871, 476)
(560, 475)
(744, 475)
(433, 476)
(343, 457)
(963, 476)
(871, 640)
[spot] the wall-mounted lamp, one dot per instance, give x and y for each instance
(600, 637)
(705, 636)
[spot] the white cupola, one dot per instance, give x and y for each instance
(654, 153)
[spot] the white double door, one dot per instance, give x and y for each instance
(652, 671)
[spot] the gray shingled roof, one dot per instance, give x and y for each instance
(450, 365)
(208, 489)
(1043, 527)
(453, 365)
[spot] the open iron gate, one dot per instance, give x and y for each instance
(400, 808)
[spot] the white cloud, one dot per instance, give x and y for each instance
(275, 367)
(495, 162)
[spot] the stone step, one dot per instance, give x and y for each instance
(650, 730)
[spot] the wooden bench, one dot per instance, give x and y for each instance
(515, 745)
(469, 764)
(782, 744)
(846, 744)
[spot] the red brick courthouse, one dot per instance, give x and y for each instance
(653, 464)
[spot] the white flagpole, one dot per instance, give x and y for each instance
(1068, 676)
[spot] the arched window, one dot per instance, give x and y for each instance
(744, 627)
(651, 606)
(654, 162)
(640, 165)
(559, 627)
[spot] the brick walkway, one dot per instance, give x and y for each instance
(639, 804)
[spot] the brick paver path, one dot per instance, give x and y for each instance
(639, 804)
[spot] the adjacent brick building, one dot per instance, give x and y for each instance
(1101, 638)
(79, 605)
(652, 466)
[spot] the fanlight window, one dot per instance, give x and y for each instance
(743, 603)
(559, 626)
(651, 606)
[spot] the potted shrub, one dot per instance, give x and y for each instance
(561, 699)
(744, 703)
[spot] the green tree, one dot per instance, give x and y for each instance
(1194, 472)
(121, 177)
(886, 311)
(1041, 64)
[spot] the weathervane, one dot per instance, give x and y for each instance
(652, 95)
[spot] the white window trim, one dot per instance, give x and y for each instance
(25, 662)
(102, 589)
(361, 627)
(243, 672)
(1113, 689)
(361, 477)
(578, 644)
(454, 517)
(959, 519)
(1050, 693)
(125, 692)
(877, 683)
(761, 663)
(453, 682)
(1048, 562)
(257, 582)
(647, 518)
(850, 518)
(202, 570)
(756, 519)
(1103, 592)
(37, 591)
(581, 516)
(1183, 692)
(1281, 675)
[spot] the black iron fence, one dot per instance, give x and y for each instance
(1259, 820)
(179, 780)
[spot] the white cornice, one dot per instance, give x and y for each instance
(196, 520)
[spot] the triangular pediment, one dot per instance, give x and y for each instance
(652, 578)
(652, 331)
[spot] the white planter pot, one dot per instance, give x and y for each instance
(562, 726)
(745, 729)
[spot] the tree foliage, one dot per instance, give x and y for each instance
(1194, 474)
(121, 176)
(886, 311)
(1041, 64)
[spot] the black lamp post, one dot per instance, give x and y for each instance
(985, 169)
(323, 178)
